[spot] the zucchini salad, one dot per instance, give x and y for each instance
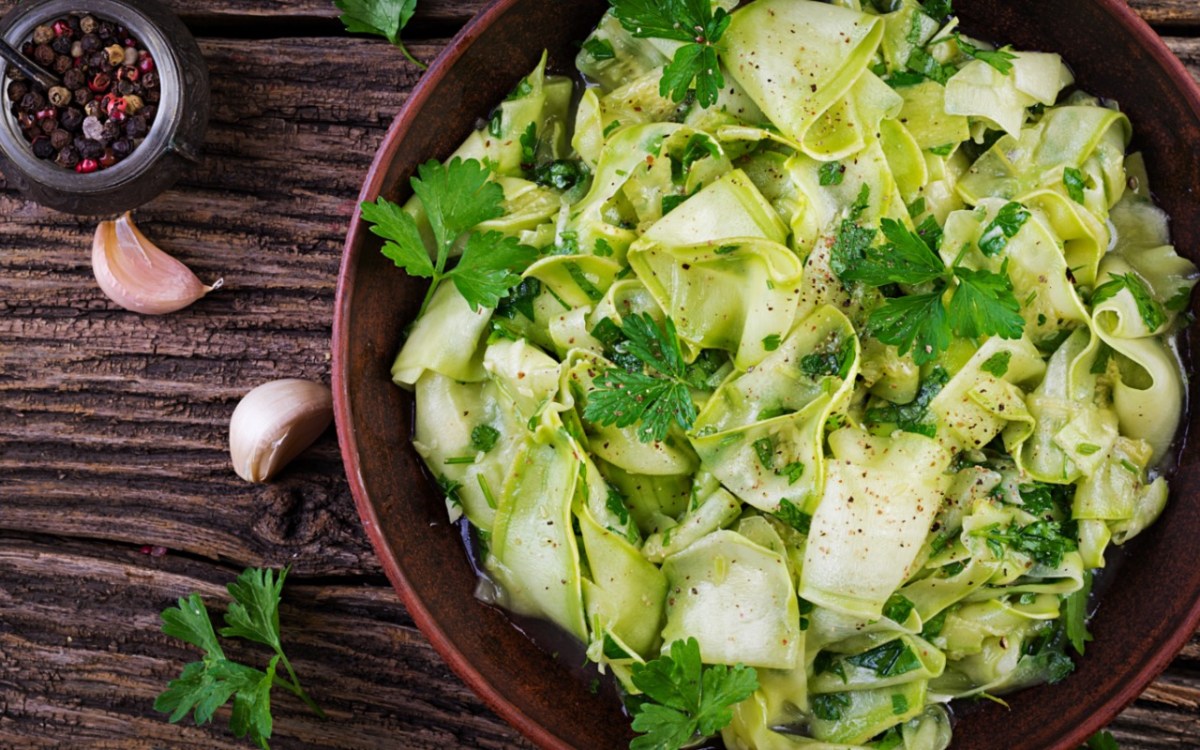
(802, 362)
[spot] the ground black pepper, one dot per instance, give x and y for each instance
(106, 104)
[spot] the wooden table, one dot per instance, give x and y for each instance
(113, 425)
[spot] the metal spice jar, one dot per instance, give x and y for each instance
(151, 104)
(112, 73)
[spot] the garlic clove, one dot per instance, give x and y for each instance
(137, 275)
(274, 423)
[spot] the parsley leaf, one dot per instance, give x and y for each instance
(1149, 308)
(828, 706)
(686, 698)
(1074, 182)
(999, 59)
(1004, 227)
(984, 304)
(456, 197)
(488, 268)
(624, 398)
(917, 323)
(484, 437)
(692, 22)
(1044, 541)
(997, 364)
(1042, 499)
(939, 10)
(833, 359)
(921, 62)
(898, 607)
(387, 18)
(793, 516)
(889, 660)
(520, 299)
(599, 49)
(529, 147)
(905, 260)
(1101, 741)
(911, 417)
(204, 686)
(831, 173)
(849, 247)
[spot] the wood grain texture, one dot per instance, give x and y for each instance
(113, 426)
(1168, 12)
(262, 14)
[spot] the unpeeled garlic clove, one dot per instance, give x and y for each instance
(274, 423)
(137, 275)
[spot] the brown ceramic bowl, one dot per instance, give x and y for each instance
(1153, 604)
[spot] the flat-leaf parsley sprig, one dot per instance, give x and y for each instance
(982, 302)
(624, 398)
(457, 197)
(690, 21)
(206, 685)
(387, 18)
(684, 699)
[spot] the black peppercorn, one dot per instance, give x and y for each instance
(122, 147)
(62, 64)
(110, 132)
(90, 44)
(89, 149)
(149, 112)
(17, 90)
(48, 125)
(68, 157)
(61, 45)
(149, 80)
(60, 139)
(44, 55)
(42, 148)
(12, 74)
(33, 101)
(106, 30)
(151, 96)
(136, 126)
(74, 78)
(82, 95)
(74, 23)
(124, 88)
(71, 119)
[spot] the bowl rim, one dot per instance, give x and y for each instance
(373, 186)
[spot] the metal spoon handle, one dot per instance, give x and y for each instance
(30, 69)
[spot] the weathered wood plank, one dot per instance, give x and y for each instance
(82, 659)
(1188, 50)
(1168, 12)
(99, 403)
(263, 13)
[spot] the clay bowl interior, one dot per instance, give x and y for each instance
(1153, 603)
